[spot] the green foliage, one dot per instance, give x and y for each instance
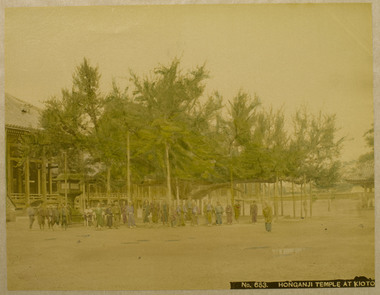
(70, 124)
(370, 137)
(175, 119)
(370, 140)
(315, 149)
(166, 112)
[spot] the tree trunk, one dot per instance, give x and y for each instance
(232, 188)
(311, 202)
(177, 190)
(43, 178)
(294, 201)
(83, 198)
(282, 202)
(128, 169)
(275, 199)
(304, 192)
(50, 180)
(169, 190)
(65, 178)
(108, 185)
(301, 200)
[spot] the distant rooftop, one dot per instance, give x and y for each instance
(20, 114)
(363, 174)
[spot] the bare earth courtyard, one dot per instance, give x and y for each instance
(335, 245)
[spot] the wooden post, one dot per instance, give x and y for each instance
(301, 200)
(38, 181)
(83, 201)
(168, 182)
(259, 191)
(108, 185)
(311, 201)
(304, 188)
(282, 202)
(177, 190)
(65, 178)
(19, 181)
(27, 181)
(294, 201)
(232, 188)
(275, 199)
(128, 169)
(43, 172)
(50, 181)
(10, 172)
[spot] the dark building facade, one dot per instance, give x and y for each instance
(24, 179)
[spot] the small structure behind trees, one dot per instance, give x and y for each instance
(363, 173)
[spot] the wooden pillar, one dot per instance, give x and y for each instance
(43, 175)
(9, 166)
(27, 181)
(38, 181)
(19, 181)
(50, 181)
(9, 171)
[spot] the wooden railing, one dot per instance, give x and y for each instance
(20, 199)
(104, 196)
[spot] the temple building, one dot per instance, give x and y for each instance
(24, 178)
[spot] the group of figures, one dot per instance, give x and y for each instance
(186, 211)
(51, 215)
(113, 215)
(110, 215)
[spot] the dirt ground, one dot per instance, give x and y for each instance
(332, 245)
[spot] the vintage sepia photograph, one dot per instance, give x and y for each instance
(188, 146)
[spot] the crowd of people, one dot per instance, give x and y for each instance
(50, 215)
(114, 215)
(110, 215)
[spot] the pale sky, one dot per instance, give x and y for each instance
(319, 55)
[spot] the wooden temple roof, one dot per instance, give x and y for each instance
(20, 115)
